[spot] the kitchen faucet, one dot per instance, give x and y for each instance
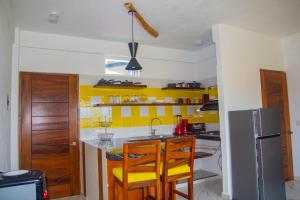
(152, 130)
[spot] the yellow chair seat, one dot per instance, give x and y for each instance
(178, 170)
(137, 177)
(134, 177)
(173, 171)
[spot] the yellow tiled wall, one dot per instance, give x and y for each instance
(95, 113)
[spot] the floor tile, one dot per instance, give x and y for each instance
(293, 190)
(72, 198)
(211, 189)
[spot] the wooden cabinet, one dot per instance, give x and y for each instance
(49, 129)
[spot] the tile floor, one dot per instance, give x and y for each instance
(211, 189)
(293, 190)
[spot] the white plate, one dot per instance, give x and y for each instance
(15, 173)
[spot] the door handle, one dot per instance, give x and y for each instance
(290, 132)
(73, 144)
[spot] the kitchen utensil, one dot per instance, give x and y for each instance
(188, 101)
(180, 100)
(106, 136)
(171, 85)
(205, 98)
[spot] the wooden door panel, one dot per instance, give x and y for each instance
(58, 175)
(50, 123)
(44, 156)
(57, 169)
(50, 149)
(49, 130)
(74, 127)
(58, 180)
(274, 95)
(50, 137)
(61, 178)
(59, 190)
(49, 88)
(25, 122)
(50, 109)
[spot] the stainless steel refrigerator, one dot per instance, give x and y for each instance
(256, 154)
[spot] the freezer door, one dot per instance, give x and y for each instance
(270, 169)
(267, 122)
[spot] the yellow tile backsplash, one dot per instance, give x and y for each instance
(91, 116)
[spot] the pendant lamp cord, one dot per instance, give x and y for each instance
(132, 34)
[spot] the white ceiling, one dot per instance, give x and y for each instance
(180, 22)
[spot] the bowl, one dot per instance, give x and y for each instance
(106, 136)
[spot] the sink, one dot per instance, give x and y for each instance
(151, 137)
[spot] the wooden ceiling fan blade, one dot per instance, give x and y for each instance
(145, 25)
(141, 20)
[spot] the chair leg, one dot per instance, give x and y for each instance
(173, 188)
(125, 193)
(144, 192)
(191, 189)
(114, 188)
(164, 190)
(170, 192)
(157, 190)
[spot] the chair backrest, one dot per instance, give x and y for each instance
(178, 152)
(141, 157)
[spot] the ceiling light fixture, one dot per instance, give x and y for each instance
(133, 67)
(198, 42)
(53, 17)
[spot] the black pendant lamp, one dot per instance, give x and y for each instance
(133, 67)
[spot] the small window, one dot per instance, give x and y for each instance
(116, 66)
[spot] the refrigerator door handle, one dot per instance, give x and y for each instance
(255, 123)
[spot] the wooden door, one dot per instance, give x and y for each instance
(49, 129)
(275, 94)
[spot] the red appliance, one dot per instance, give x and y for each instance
(178, 130)
(181, 127)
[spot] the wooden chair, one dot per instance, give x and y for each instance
(178, 164)
(141, 168)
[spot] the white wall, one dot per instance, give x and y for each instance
(205, 63)
(57, 53)
(291, 53)
(240, 55)
(14, 128)
(6, 39)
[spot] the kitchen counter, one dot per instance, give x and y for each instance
(114, 149)
(116, 145)
(100, 157)
(209, 135)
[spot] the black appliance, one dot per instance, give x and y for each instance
(256, 155)
(28, 186)
(210, 105)
(103, 82)
(197, 128)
